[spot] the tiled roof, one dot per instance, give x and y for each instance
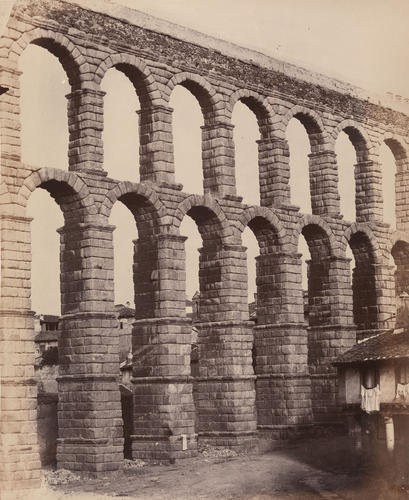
(392, 344)
(124, 311)
(49, 318)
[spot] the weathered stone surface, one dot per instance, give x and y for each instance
(276, 378)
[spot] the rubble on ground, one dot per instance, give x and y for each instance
(209, 451)
(60, 476)
(133, 464)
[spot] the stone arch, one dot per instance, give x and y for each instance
(149, 212)
(69, 191)
(217, 253)
(256, 103)
(252, 213)
(401, 246)
(324, 227)
(399, 150)
(138, 73)
(323, 197)
(398, 236)
(204, 92)
(270, 274)
(367, 175)
(400, 254)
(319, 240)
(312, 123)
(364, 276)
(358, 137)
(69, 55)
(321, 246)
(357, 227)
(206, 202)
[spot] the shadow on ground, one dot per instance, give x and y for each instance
(327, 467)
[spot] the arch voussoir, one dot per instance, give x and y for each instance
(141, 190)
(261, 106)
(356, 228)
(252, 212)
(146, 83)
(44, 175)
(316, 220)
(199, 201)
(199, 82)
(349, 124)
(70, 56)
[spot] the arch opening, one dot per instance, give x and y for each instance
(46, 289)
(400, 255)
(388, 164)
(187, 120)
(138, 81)
(204, 277)
(359, 143)
(245, 135)
(317, 271)
(305, 255)
(346, 159)
(193, 243)
(121, 124)
(299, 149)
(365, 311)
(253, 251)
(144, 212)
(47, 218)
(44, 118)
(124, 237)
(363, 193)
(65, 58)
(135, 262)
(144, 248)
(263, 278)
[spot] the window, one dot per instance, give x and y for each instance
(402, 373)
(402, 382)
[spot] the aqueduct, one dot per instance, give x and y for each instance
(288, 384)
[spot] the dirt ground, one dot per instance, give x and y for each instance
(326, 468)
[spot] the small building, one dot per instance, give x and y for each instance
(373, 387)
(47, 326)
(192, 307)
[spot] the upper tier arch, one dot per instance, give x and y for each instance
(206, 95)
(256, 103)
(138, 73)
(311, 121)
(69, 55)
(358, 137)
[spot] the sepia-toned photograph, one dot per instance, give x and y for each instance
(204, 250)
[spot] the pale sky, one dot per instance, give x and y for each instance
(359, 42)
